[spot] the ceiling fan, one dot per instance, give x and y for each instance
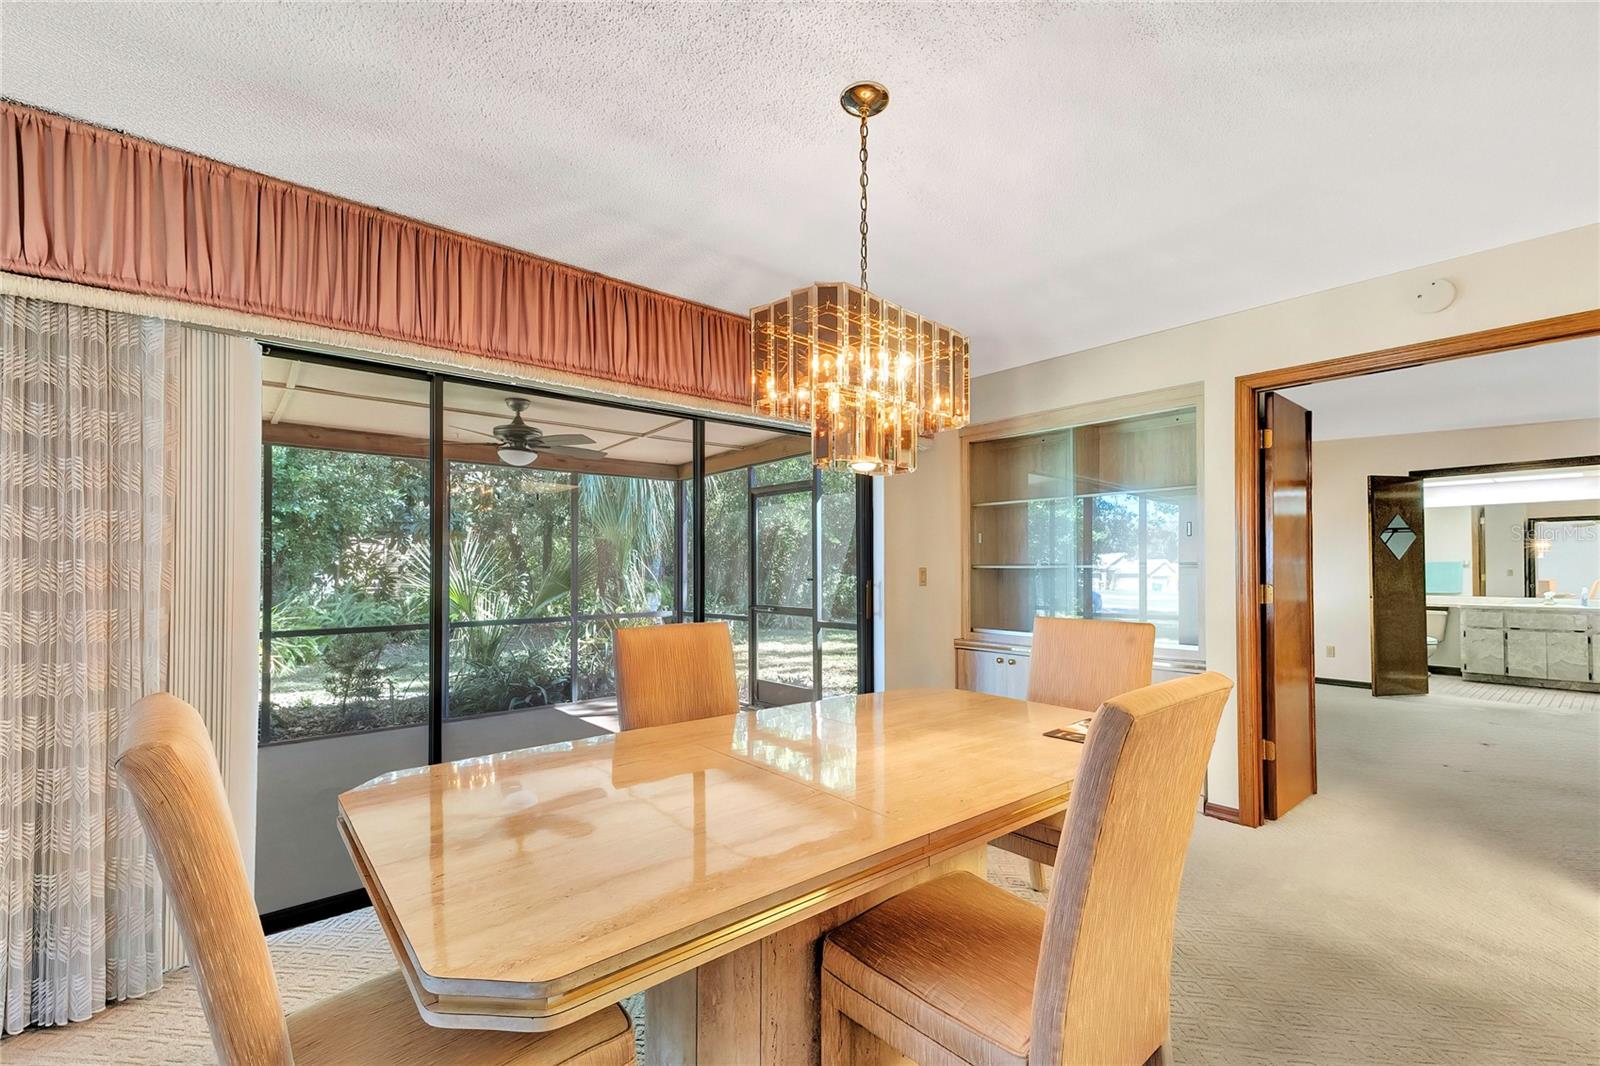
(521, 443)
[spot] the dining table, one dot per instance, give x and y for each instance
(700, 863)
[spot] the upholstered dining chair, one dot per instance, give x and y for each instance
(674, 673)
(957, 970)
(1077, 662)
(171, 770)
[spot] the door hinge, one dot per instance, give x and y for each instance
(1269, 751)
(1266, 438)
(1266, 593)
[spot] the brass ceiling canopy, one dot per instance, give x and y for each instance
(864, 99)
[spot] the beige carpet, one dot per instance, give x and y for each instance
(1439, 902)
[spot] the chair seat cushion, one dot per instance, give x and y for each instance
(377, 1023)
(953, 958)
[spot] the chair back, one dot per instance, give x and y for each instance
(170, 768)
(674, 673)
(1101, 992)
(1082, 662)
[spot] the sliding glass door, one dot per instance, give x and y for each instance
(547, 560)
(346, 630)
(841, 630)
(785, 584)
(807, 581)
(446, 564)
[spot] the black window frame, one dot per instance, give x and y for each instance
(440, 626)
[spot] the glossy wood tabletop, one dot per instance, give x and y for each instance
(527, 889)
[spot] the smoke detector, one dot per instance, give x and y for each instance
(1433, 297)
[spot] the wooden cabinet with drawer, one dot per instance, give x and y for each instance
(997, 670)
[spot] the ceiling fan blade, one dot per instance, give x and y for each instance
(562, 440)
(479, 432)
(576, 453)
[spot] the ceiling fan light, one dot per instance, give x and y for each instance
(517, 456)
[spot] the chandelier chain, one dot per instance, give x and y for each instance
(864, 201)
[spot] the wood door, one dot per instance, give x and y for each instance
(1398, 592)
(1288, 695)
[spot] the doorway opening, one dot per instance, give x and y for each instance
(1525, 378)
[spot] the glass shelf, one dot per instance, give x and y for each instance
(1029, 566)
(1024, 500)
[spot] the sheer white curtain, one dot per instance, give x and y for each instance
(130, 488)
(85, 511)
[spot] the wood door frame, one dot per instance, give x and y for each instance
(1248, 503)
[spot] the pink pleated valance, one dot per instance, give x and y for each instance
(91, 206)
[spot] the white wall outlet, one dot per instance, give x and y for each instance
(922, 576)
(1330, 651)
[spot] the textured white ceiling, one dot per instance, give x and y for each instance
(1550, 383)
(1047, 177)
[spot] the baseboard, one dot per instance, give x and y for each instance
(1452, 671)
(1342, 683)
(1218, 811)
(314, 911)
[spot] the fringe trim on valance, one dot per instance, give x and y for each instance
(360, 346)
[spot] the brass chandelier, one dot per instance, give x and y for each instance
(871, 377)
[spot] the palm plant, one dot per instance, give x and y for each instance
(624, 558)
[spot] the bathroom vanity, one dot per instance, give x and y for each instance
(1525, 641)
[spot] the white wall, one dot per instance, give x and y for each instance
(1504, 557)
(1341, 566)
(923, 528)
(1447, 538)
(1554, 275)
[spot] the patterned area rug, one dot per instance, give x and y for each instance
(1438, 902)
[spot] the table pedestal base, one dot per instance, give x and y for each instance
(761, 1005)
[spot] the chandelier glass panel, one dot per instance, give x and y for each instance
(870, 377)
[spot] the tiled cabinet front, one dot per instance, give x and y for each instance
(1525, 653)
(1567, 656)
(1483, 651)
(1545, 643)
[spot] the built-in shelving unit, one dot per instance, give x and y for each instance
(1087, 511)
(1080, 521)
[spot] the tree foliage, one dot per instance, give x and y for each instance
(350, 549)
